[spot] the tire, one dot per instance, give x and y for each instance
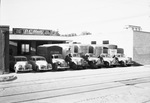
(37, 69)
(129, 65)
(84, 67)
(15, 70)
(106, 64)
(122, 63)
(33, 67)
(92, 65)
(73, 66)
(49, 66)
(54, 67)
(12, 69)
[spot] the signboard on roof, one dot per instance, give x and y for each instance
(35, 32)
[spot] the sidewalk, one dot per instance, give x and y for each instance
(7, 77)
(13, 76)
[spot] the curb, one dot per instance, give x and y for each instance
(8, 77)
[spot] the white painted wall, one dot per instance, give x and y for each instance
(123, 39)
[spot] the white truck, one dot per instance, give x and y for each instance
(61, 64)
(123, 60)
(96, 62)
(108, 60)
(78, 61)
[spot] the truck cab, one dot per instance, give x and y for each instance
(108, 60)
(123, 60)
(78, 60)
(95, 60)
(60, 63)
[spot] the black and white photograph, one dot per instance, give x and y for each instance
(74, 51)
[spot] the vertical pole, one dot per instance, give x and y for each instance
(4, 49)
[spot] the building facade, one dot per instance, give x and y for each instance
(25, 41)
(141, 47)
(134, 42)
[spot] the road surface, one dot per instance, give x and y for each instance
(106, 85)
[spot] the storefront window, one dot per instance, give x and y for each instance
(25, 49)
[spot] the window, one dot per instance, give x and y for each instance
(25, 48)
(37, 59)
(32, 59)
(75, 49)
(91, 49)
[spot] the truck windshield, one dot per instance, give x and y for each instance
(105, 55)
(75, 55)
(92, 55)
(121, 55)
(21, 59)
(40, 59)
(56, 56)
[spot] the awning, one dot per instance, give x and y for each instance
(39, 37)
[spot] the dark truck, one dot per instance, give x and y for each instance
(54, 55)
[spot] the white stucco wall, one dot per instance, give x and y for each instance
(123, 39)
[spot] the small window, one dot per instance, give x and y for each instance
(52, 56)
(75, 49)
(32, 59)
(91, 49)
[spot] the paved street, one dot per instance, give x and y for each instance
(106, 85)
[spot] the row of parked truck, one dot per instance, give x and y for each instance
(71, 56)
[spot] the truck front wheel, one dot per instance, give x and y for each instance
(54, 66)
(123, 63)
(73, 66)
(106, 64)
(37, 68)
(92, 65)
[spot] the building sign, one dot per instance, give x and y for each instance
(35, 32)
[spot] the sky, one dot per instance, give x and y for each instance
(76, 16)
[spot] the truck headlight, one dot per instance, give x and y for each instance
(20, 66)
(59, 63)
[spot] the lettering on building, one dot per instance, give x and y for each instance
(25, 31)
